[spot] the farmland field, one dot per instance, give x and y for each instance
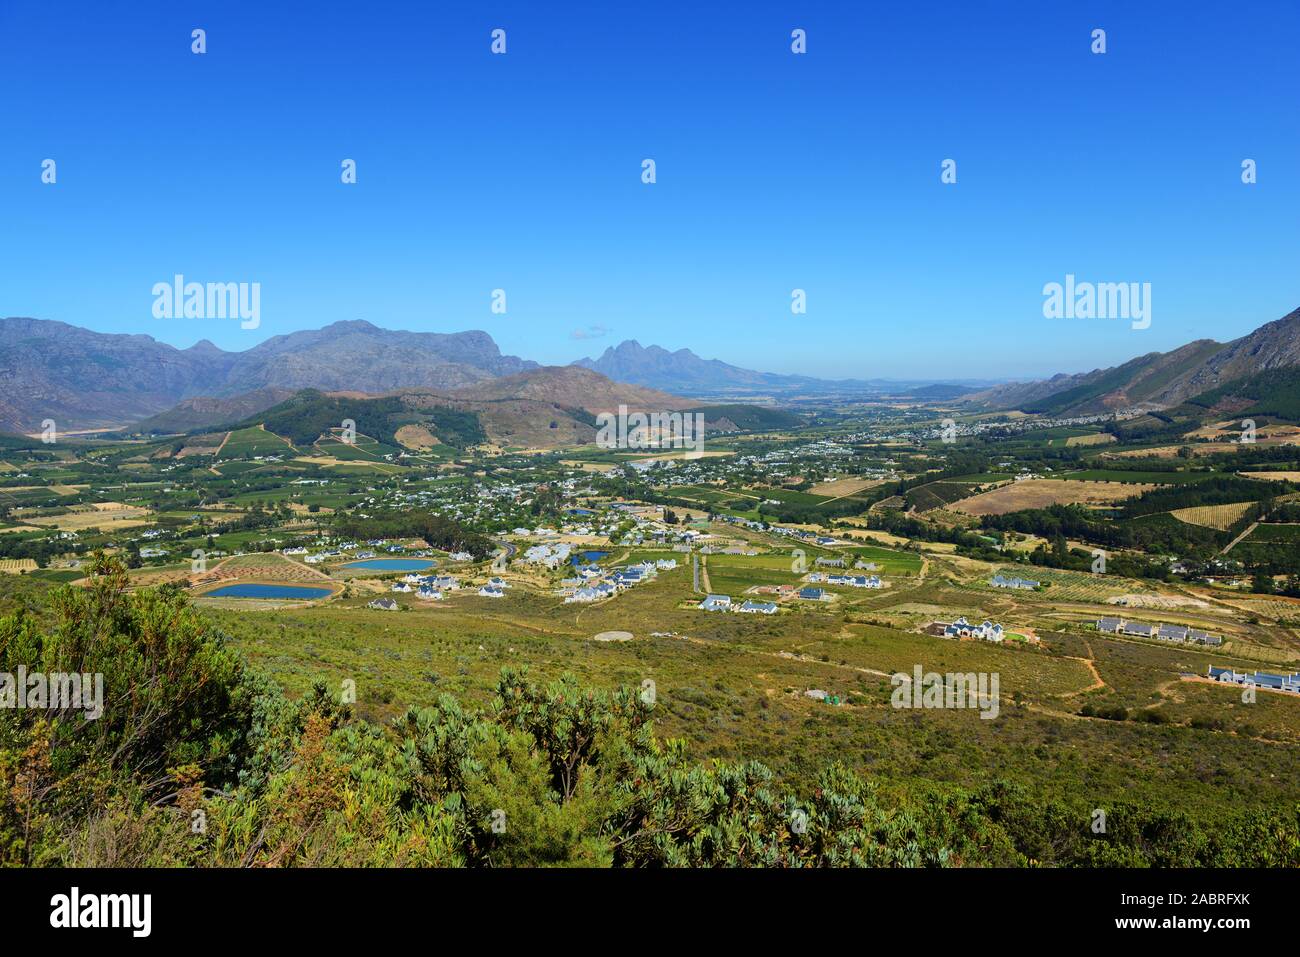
(1093, 438)
(252, 442)
(938, 494)
(1266, 532)
(1134, 477)
(1221, 517)
(267, 566)
(844, 486)
(1039, 493)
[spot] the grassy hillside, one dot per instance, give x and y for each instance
(751, 418)
(311, 414)
(1275, 393)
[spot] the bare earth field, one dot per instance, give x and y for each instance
(1100, 438)
(107, 515)
(268, 567)
(844, 486)
(1040, 493)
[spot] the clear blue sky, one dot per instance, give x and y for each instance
(775, 171)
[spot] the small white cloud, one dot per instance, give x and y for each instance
(591, 332)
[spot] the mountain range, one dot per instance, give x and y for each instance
(87, 380)
(684, 371)
(84, 380)
(1158, 380)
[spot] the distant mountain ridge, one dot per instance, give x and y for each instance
(88, 380)
(1158, 380)
(684, 371)
(83, 379)
(540, 408)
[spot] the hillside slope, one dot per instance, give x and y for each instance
(83, 379)
(1156, 380)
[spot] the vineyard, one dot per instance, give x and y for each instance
(1221, 517)
(939, 494)
(268, 567)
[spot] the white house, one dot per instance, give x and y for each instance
(716, 603)
(987, 631)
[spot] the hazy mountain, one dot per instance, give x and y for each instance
(574, 388)
(1159, 379)
(939, 391)
(83, 379)
(682, 370)
(359, 356)
(685, 372)
(205, 412)
(541, 408)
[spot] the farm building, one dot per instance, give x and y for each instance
(1000, 581)
(1261, 679)
(987, 631)
(716, 603)
(1164, 632)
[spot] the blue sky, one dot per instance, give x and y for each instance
(775, 171)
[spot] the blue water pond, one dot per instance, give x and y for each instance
(392, 564)
(250, 590)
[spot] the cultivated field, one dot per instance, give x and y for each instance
(1040, 493)
(1096, 438)
(105, 515)
(1221, 517)
(268, 567)
(838, 488)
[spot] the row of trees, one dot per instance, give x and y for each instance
(435, 528)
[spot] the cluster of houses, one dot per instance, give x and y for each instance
(985, 631)
(435, 587)
(853, 581)
(594, 583)
(393, 548)
(495, 588)
(427, 587)
(548, 555)
(748, 607)
(1260, 679)
(1177, 633)
(1001, 581)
